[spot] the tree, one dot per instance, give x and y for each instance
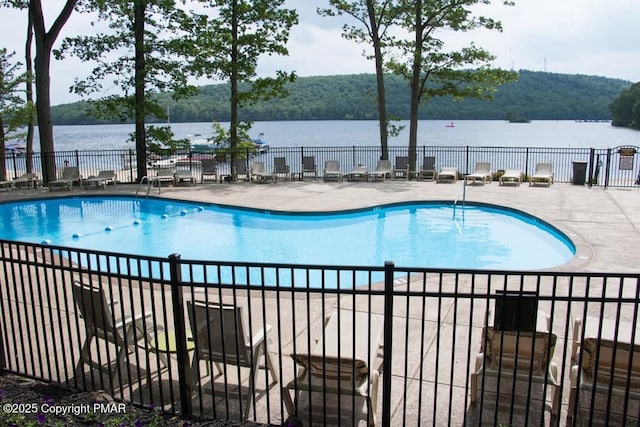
(44, 45)
(230, 44)
(14, 111)
(625, 109)
(375, 18)
(433, 71)
(154, 31)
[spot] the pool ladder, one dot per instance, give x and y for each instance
(149, 185)
(463, 194)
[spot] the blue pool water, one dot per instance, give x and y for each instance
(412, 235)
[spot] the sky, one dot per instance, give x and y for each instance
(591, 37)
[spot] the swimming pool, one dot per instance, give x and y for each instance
(426, 234)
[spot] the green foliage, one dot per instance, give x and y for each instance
(14, 111)
(625, 109)
(535, 95)
(229, 44)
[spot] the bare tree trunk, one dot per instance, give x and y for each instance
(141, 140)
(382, 103)
(233, 126)
(415, 88)
(44, 44)
(29, 95)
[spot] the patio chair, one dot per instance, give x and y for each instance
(183, 175)
(163, 175)
(104, 177)
(481, 173)
(343, 362)
(511, 176)
(309, 167)
(70, 175)
(358, 173)
(240, 170)
(428, 170)
(543, 174)
(518, 346)
(401, 168)
(605, 360)
(281, 168)
(101, 323)
(448, 174)
(332, 171)
(209, 168)
(383, 170)
(26, 180)
(258, 173)
(221, 337)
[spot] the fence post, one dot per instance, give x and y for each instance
(389, 268)
(181, 334)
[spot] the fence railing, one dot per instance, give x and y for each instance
(406, 346)
(612, 167)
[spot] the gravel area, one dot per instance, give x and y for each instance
(26, 402)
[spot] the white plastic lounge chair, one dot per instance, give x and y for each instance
(332, 171)
(350, 372)
(163, 175)
(70, 175)
(401, 168)
(104, 177)
(209, 168)
(183, 175)
(259, 173)
(358, 173)
(543, 174)
(221, 337)
(511, 176)
(102, 323)
(281, 168)
(482, 174)
(240, 170)
(383, 170)
(26, 180)
(448, 174)
(428, 170)
(523, 354)
(605, 361)
(309, 167)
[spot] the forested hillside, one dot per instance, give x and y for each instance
(534, 96)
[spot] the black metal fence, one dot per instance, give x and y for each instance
(389, 345)
(612, 167)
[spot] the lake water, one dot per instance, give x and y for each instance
(485, 133)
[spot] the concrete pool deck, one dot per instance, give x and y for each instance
(604, 224)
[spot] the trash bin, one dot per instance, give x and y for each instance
(579, 173)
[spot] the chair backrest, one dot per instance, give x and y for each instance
(240, 166)
(94, 309)
(343, 369)
(524, 351)
(164, 173)
(219, 332)
(383, 165)
(429, 163)
(257, 167)
(308, 164)
(106, 174)
(544, 168)
(70, 172)
(612, 362)
(332, 166)
(280, 165)
(483, 167)
(209, 166)
(402, 162)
